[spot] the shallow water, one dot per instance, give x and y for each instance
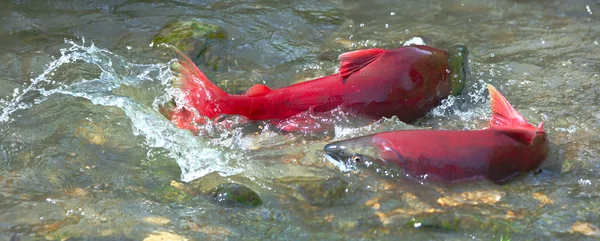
(85, 153)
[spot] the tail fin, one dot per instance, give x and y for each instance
(507, 120)
(503, 114)
(199, 90)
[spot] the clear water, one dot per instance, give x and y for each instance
(84, 151)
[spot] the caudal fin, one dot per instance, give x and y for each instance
(506, 119)
(199, 90)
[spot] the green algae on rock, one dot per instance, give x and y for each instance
(169, 194)
(236, 195)
(317, 191)
(196, 39)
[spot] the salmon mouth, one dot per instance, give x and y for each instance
(335, 152)
(339, 155)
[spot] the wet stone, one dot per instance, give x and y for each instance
(200, 41)
(156, 236)
(236, 195)
(318, 191)
(585, 228)
(454, 222)
(102, 238)
(169, 194)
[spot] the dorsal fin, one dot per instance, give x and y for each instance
(503, 114)
(356, 60)
(257, 90)
(508, 121)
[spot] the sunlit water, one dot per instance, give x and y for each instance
(84, 151)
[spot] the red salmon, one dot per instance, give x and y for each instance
(405, 82)
(510, 146)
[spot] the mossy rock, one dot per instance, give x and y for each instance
(202, 42)
(236, 195)
(169, 194)
(318, 191)
(182, 33)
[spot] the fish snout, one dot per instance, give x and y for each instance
(336, 152)
(353, 152)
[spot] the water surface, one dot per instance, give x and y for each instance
(85, 153)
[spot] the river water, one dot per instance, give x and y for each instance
(86, 155)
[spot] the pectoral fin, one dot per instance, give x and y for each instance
(258, 90)
(310, 121)
(302, 125)
(354, 61)
(522, 134)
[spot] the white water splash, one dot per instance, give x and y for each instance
(194, 155)
(478, 109)
(17, 102)
(414, 41)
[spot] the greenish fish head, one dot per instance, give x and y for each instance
(459, 68)
(349, 154)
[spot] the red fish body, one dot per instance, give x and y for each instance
(509, 147)
(405, 82)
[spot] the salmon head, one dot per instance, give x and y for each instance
(382, 64)
(366, 150)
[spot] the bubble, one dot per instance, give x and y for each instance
(584, 182)
(572, 129)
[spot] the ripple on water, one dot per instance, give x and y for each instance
(107, 162)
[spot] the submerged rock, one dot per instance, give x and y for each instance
(170, 194)
(455, 222)
(586, 229)
(200, 41)
(317, 190)
(101, 238)
(236, 195)
(161, 235)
